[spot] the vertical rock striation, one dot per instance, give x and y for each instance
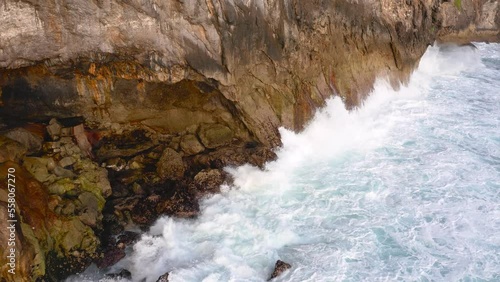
(172, 91)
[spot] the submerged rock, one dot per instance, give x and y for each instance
(123, 274)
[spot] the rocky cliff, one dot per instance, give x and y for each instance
(166, 93)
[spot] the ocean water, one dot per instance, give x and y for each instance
(407, 188)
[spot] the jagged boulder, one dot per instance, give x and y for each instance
(30, 140)
(191, 145)
(279, 268)
(209, 180)
(170, 165)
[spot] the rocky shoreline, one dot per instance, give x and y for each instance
(97, 186)
(134, 115)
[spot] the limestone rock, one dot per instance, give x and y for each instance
(54, 129)
(279, 268)
(38, 168)
(61, 187)
(62, 172)
(11, 150)
(89, 217)
(170, 166)
(66, 161)
(215, 135)
(88, 200)
(82, 140)
(190, 145)
(31, 141)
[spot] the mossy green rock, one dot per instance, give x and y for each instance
(38, 168)
(61, 186)
(215, 135)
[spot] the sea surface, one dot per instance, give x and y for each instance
(406, 188)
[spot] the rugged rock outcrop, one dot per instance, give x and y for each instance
(164, 94)
(58, 199)
(279, 268)
(251, 66)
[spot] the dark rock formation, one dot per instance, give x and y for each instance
(279, 268)
(118, 112)
(163, 278)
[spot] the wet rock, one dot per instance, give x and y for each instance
(235, 155)
(170, 166)
(209, 180)
(30, 140)
(123, 274)
(11, 150)
(127, 238)
(163, 278)
(190, 145)
(110, 257)
(60, 267)
(144, 211)
(112, 224)
(181, 204)
(279, 268)
(215, 135)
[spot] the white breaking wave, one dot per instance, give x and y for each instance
(404, 188)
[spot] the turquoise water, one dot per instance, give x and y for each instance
(405, 189)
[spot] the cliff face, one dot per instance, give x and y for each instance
(266, 63)
(172, 91)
